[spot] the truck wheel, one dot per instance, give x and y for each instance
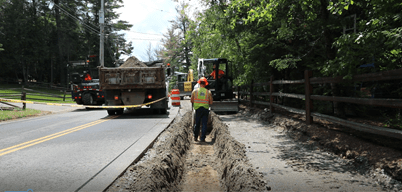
(88, 99)
(111, 112)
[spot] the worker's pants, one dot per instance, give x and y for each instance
(201, 114)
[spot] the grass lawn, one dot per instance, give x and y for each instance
(18, 113)
(13, 91)
(9, 91)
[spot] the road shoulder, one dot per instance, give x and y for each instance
(292, 163)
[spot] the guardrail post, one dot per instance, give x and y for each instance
(271, 98)
(308, 90)
(251, 93)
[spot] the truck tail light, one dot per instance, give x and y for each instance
(88, 77)
(116, 97)
(149, 96)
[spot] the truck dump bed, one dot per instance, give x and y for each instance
(132, 78)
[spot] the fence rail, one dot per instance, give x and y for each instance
(24, 95)
(308, 98)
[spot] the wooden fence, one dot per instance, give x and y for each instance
(24, 94)
(308, 97)
(46, 86)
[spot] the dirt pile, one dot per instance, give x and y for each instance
(163, 166)
(133, 62)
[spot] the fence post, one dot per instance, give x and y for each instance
(271, 98)
(251, 93)
(23, 98)
(64, 98)
(308, 90)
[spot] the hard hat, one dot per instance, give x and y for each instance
(203, 79)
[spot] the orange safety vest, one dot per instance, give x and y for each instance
(201, 98)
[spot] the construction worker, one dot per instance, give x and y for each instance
(220, 73)
(201, 98)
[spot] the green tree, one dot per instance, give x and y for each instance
(176, 50)
(39, 38)
(283, 38)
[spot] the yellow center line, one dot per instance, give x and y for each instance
(52, 136)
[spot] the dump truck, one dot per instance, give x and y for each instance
(134, 83)
(221, 88)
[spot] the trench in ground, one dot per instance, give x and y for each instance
(177, 163)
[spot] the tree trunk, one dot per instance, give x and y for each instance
(59, 42)
(339, 109)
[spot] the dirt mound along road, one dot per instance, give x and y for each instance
(133, 62)
(176, 163)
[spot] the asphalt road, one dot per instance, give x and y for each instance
(79, 150)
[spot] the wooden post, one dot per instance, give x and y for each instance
(251, 93)
(308, 90)
(238, 94)
(271, 98)
(64, 98)
(23, 98)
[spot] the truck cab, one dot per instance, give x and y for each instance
(84, 83)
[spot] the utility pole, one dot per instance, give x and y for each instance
(102, 34)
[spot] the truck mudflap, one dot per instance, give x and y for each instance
(225, 106)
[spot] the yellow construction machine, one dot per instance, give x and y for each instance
(185, 83)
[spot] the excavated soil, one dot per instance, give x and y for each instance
(133, 62)
(177, 163)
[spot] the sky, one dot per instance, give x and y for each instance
(150, 20)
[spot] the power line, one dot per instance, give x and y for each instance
(79, 20)
(84, 28)
(94, 31)
(67, 7)
(88, 29)
(82, 22)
